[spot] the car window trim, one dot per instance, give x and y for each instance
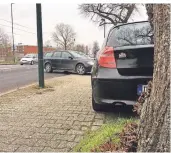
(47, 53)
(55, 52)
(68, 53)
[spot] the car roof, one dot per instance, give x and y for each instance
(122, 24)
(31, 54)
(62, 51)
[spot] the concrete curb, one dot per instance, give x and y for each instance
(26, 86)
(13, 90)
(9, 64)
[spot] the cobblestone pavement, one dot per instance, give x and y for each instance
(50, 121)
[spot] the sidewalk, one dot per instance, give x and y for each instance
(49, 120)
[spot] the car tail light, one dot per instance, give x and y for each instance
(106, 58)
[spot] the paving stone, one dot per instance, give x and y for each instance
(35, 124)
(59, 117)
(99, 116)
(8, 148)
(66, 137)
(86, 123)
(48, 149)
(50, 121)
(7, 140)
(84, 128)
(53, 144)
(56, 131)
(78, 138)
(47, 143)
(98, 122)
(93, 128)
(25, 148)
(5, 127)
(63, 144)
(76, 127)
(21, 141)
(27, 134)
(57, 125)
(71, 145)
(46, 136)
(38, 130)
(80, 112)
(75, 132)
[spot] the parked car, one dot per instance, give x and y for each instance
(29, 59)
(67, 61)
(81, 53)
(124, 65)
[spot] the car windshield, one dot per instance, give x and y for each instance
(29, 56)
(48, 54)
(78, 54)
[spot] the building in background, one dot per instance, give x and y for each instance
(34, 49)
(21, 50)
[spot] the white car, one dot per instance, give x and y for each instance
(29, 59)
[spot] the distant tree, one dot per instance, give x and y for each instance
(113, 13)
(4, 42)
(47, 43)
(79, 47)
(86, 50)
(64, 36)
(95, 48)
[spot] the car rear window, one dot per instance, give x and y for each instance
(130, 35)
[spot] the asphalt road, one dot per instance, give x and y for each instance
(12, 77)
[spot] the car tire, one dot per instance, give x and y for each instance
(80, 69)
(21, 63)
(96, 107)
(48, 68)
(32, 62)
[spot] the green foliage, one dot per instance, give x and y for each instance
(106, 132)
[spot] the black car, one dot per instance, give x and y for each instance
(67, 61)
(124, 65)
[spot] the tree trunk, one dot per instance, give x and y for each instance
(153, 131)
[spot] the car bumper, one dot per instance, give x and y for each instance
(25, 62)
(88, 68)
(112, 90)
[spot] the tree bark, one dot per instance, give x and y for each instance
(153, 131)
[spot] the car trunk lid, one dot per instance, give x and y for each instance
(134, 60)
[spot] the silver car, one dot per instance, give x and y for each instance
(29, 59)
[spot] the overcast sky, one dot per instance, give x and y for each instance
(86, 31)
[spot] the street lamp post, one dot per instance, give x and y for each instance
(13, 48)
(40, 45)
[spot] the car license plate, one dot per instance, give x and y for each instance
(141, 88)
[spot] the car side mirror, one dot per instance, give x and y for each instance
(70, 57)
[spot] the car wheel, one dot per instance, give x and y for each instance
(80, 69)
(21, 63)
(48, 68)
(96, 107)
(32, 62)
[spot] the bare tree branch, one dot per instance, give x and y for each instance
(113, 13)
(64, 36)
